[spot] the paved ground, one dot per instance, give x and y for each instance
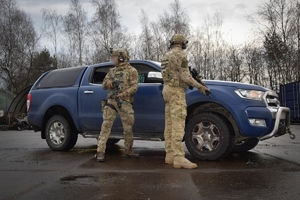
(30, 170)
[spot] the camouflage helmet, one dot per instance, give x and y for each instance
(123, 54)
(179, 39)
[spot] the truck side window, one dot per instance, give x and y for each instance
(99, 74)
(143, 71)
(141, 78)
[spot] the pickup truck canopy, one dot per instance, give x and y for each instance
(60, 78)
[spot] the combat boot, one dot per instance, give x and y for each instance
(100, 156)
(169, 159)
(131, 154)
(182, 162)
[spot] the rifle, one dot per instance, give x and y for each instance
(198, 78)
(116, 90)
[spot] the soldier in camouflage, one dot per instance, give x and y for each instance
(127, 77)
(176, 77)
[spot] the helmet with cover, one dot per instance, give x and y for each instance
(179, 39)
(123, 54)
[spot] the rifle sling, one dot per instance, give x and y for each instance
(111, 106)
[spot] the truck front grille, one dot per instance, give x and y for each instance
(271, 99)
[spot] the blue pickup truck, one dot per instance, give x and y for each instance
(66, 102)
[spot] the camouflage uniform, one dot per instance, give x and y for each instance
(128, 79)
(176, 76)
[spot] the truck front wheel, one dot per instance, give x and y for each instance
(60, 134)
(245, 145)
(208, 136)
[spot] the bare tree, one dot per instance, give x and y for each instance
(107, 31)
(146, 39)
(297, 35)
(269, 60)
(18, 40)
(75, 26)
(207, 48)
(277, 22)
(235, 70)
(52, 27)
(175, 20)
(254, 60)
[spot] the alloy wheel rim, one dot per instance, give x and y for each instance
(57, 133)
(206, 136)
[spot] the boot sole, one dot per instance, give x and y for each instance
(128, 156)
(181, 167)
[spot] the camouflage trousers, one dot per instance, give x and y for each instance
(109, 115)
(175, 114)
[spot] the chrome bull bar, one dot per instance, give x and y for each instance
(282, 113)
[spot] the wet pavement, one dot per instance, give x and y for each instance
(30, 170)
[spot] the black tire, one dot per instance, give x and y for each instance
(112, 141)
(215, 129)
(67, 134)
(245, 145)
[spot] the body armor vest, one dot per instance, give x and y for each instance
(170, 73)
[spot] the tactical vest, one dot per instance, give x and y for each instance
(122, 76)
(170, 73)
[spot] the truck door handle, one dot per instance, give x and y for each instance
(88, 92)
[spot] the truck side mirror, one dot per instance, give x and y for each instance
(154, 77)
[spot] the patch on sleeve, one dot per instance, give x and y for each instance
(164, 63)
(184, 63)
(134, 75)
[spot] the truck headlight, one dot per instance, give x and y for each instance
(250, 94)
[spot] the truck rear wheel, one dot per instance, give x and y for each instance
(60, 134)
(245, 145)
(208, 136)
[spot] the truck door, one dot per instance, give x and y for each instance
(90, 96)
(148, 104)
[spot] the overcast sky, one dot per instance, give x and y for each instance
(235, 12)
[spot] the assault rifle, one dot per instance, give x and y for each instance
(198, 78)
(116, 90)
